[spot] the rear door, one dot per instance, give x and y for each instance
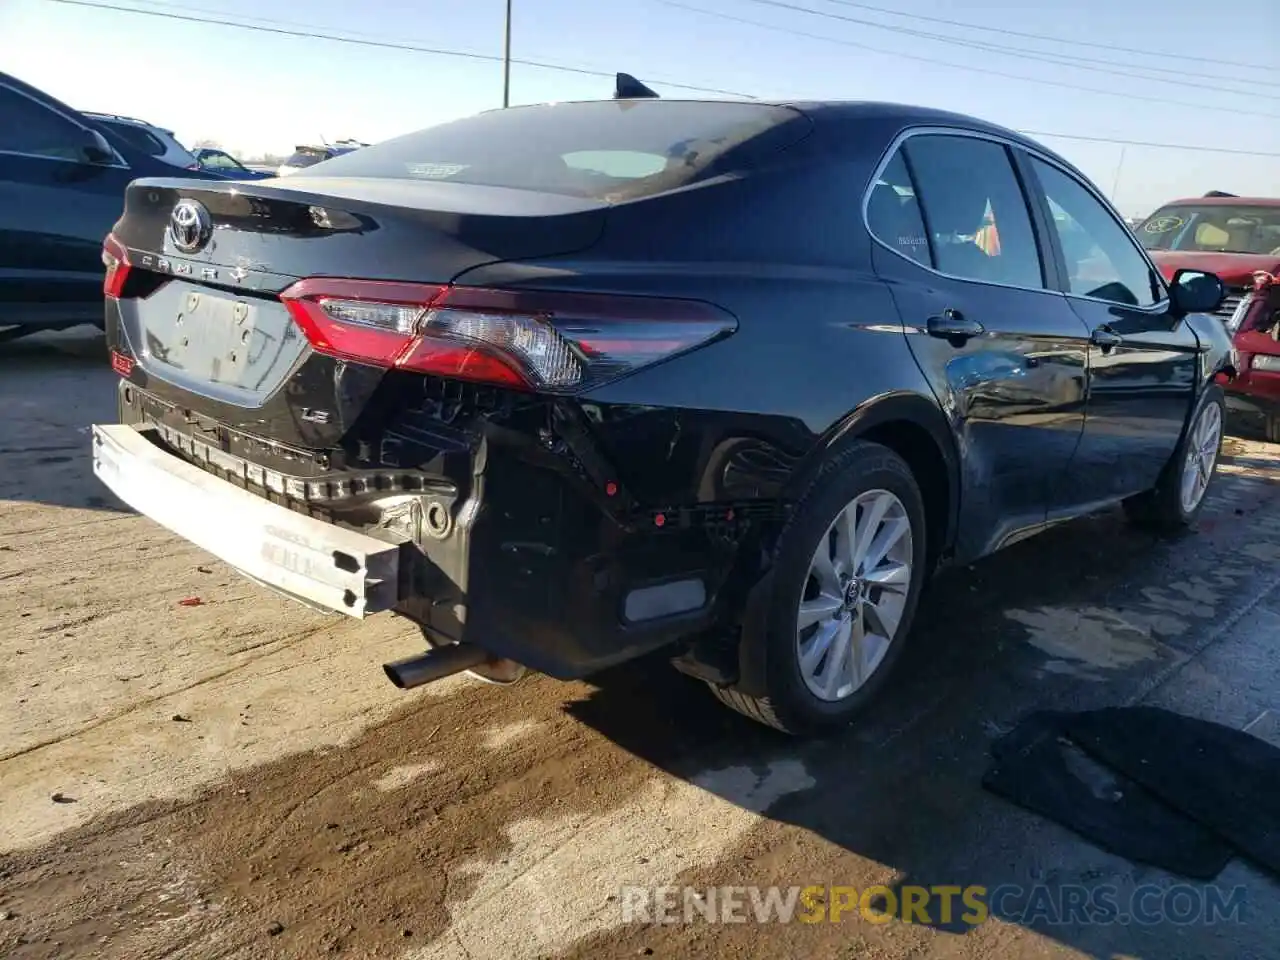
(1142, 361)
(964, 254)
(55, 210)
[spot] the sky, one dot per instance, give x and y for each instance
(256, 92)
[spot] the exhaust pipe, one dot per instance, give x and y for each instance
(436, 664)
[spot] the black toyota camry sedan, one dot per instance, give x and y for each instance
(567, 384)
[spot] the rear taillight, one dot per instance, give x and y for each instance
(533, 340)
(116, 260)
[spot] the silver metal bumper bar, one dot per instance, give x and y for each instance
(316, 562)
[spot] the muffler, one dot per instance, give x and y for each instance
(436, 664)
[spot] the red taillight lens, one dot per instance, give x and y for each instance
(548, 342)
(116, 260)
(370, 321)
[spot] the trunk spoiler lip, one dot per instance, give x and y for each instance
(390, 194)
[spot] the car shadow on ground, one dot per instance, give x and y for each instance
(53, 386)
(901, 788)
(469, 815)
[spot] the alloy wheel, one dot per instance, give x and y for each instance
(1202, 456)
(855, 595)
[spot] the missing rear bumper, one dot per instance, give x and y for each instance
(318, 563)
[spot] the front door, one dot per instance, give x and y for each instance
(1143, 363)
(1005, 354)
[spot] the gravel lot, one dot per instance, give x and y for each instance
(237, 779)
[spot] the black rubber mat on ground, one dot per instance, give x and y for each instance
(1226, 779)
(1038, 768)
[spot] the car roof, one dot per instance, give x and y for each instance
(844, 113)
(131, 121)
(908, 115)
(35, 93)
(116, 116)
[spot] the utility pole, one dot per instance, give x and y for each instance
(1115, 185)
(506, 62)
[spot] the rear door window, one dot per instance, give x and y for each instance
(979, 224)
(598, 149)
(137, 137)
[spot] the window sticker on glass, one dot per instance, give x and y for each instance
(1162, 224)
(435, 171)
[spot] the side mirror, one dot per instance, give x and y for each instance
(1195, 291)
(97, 150)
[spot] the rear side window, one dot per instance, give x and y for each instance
(893, 213)
(979, 225)
(137, 137)
(600, 150)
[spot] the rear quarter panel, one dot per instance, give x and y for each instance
(818, 334)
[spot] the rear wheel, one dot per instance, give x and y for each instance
(1179, 495)
(847, 577)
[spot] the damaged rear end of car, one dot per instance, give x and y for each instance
(313, 391)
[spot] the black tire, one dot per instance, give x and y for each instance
(1273, 428)
(787, 704)
(1160, 510)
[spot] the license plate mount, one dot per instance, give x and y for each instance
(212, 335)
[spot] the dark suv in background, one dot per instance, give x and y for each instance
(62, 184)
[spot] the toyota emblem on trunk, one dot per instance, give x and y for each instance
(189, 226)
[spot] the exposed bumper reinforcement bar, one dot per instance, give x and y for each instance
(317, 562)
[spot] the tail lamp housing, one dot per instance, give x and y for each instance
(116, 259)
(541, 341)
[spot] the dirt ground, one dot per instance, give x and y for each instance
(234, 777)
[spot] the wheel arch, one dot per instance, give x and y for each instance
(915, 428)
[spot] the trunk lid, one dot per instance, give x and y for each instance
(201, 312)
(373, 228)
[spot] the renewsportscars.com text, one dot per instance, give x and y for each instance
(943, 905)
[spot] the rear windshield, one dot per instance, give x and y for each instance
(305, 158)
(1213, 227)
(599, 149)
(136, 137)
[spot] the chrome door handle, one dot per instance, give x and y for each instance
(954, 326)
(1105, 337)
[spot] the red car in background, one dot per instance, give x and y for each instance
(1237, 238)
